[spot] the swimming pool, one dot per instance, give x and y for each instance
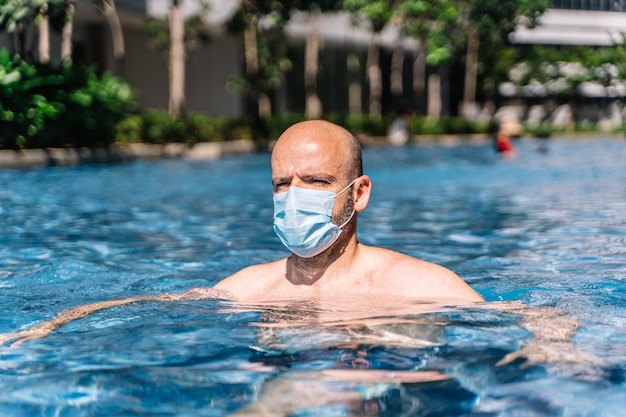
(547, 229)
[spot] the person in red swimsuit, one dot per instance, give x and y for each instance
(507, 127)
(503, 143)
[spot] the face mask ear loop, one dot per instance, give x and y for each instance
(346, 187)
(353, 211)
(347, 221)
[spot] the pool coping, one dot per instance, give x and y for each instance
(31, 158)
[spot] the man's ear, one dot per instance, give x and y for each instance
(362, 190)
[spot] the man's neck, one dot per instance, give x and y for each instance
(319, 269)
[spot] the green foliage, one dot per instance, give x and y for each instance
(362, 123)
(157, 126)
(563, 69)
(18, 16)
(438, 56)
(271, 46)
(15, 13)
(160, 127)
(58, 106)
(439, 24)
(378, 13)
(316, 6)
(157, 36)
(276, 125)
(423, 125)
(129, 130)
(496, 19)
(204, 128)
(541, 130)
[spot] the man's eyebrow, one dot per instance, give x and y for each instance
(309, 178)
(319, 176)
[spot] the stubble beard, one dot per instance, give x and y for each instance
(309, 270)
(346, 211)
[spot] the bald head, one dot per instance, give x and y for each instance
(321, 139)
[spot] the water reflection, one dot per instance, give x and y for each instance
(338, 356)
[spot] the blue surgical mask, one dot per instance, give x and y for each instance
(302, 220)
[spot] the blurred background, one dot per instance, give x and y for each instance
(99, 72)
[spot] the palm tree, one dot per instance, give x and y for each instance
(177, 60)
(492, 21)
(259, 26)
(16, 17)
(44, 34)
(172, 42)
(107, 8)
(377, 14)
(66, 34)
(419, 21)
(312, 104)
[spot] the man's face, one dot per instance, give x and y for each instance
(313, 160)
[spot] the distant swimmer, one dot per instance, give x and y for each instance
(399, 131)
(507, 128)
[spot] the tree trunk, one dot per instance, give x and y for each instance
(117, 36)
(251, 52)
(468, 104)
(434, 96)
(354, 89)
(419, 78)
(444, 79)
(395, 76)
(44, 35)
(177, 60)
(313, 105)
(20, 43)
(251, 55)
(66, 36)
(374, 78)
(14, 40)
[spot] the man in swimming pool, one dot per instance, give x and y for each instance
(319, 189)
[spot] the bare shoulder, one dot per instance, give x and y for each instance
(414, 277)
(252, 281)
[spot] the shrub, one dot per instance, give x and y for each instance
(202, 128)
(237, 128)
(362, 123)
(542, 130)
(58, 106)
(129, 130)
(423, 125)
(160, 127)
(276, 125)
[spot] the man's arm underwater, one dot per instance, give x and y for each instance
(552, 331)
(42, 329)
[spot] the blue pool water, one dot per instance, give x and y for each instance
(546, 229)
